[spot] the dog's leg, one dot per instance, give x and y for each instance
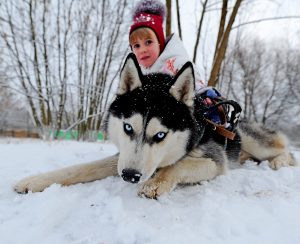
(282, 160)
(262, 144)
(243, 156)
(70, 175)
(186, 171)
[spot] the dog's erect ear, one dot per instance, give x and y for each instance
(183, 88)
(130, 75)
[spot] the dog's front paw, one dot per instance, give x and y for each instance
(32, 183)
(154, 188)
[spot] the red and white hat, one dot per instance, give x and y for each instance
(151, 14)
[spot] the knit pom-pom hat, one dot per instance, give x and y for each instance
(151, 14)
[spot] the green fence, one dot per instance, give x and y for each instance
(73, 135)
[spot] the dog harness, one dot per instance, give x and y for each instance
(221, 114)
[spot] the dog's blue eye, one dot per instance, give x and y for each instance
(128, 129)
(159, 136)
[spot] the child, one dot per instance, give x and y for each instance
(147, 41)
(156, 54)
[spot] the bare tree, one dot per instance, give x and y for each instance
(228, 11)
(169, 17)
(204, 4)
(292, 73)
(6, 101)
(178, 19)
(64, 57)
(261, 79)
(222, 40)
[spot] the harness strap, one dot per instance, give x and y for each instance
(221, 130)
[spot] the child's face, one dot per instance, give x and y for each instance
(146, 50)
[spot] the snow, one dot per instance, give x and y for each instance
(251, 204)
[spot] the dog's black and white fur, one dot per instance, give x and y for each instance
(164, 140)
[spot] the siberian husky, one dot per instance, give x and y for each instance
(164, 140)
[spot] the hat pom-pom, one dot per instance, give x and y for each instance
(150, 7)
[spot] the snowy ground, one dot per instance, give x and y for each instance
(252, 204)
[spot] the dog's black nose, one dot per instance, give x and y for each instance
(131, 175)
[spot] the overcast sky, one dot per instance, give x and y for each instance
(288, 29)
(286, 32)
(257, 9)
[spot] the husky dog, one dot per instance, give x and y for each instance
(164, 139)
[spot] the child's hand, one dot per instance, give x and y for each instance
(210, 94)
(208, 101)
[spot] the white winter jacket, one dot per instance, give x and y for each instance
(171, 60)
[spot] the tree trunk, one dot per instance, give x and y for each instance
(199, 30)
(221, 49)
(221, 26)
(169, 17)
(178, 19)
